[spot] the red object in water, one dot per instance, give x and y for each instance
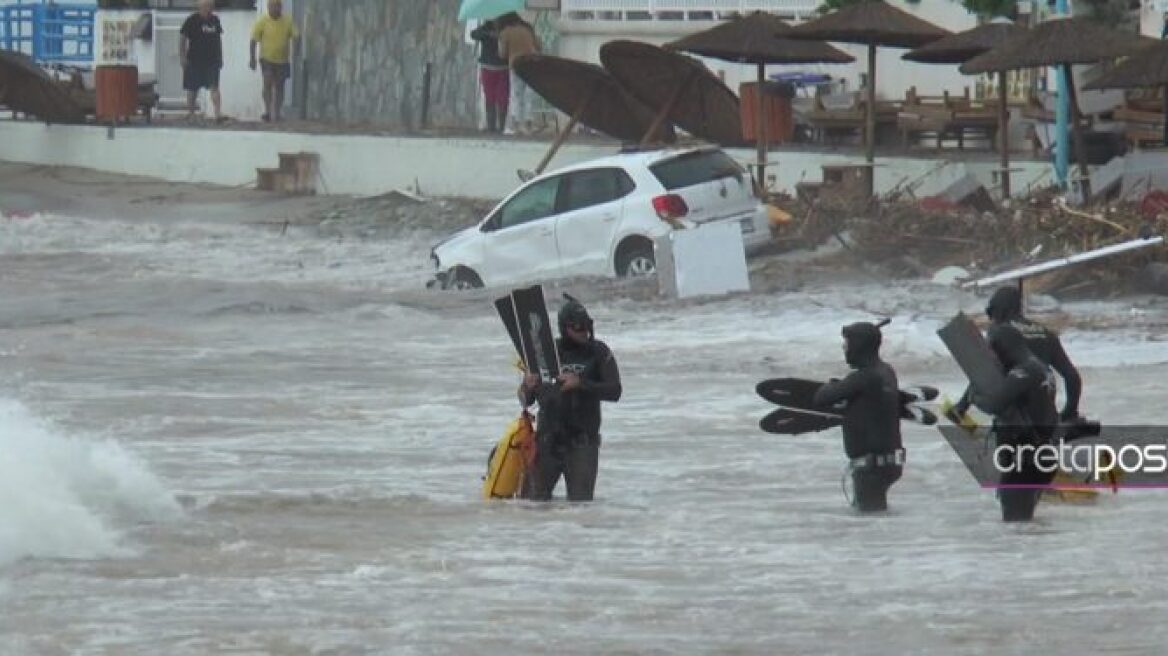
(938, 204)
(16, 215)
(1153, 204)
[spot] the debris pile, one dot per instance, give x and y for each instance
(918, 236)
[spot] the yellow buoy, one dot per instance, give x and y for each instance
(509, 459)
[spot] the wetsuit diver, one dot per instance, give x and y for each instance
(568, 425)
(871, 425)
(1005, 308)
(1024, 415)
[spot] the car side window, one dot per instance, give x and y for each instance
(594, 187)
(538, 201)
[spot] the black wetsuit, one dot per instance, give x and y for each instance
(1024, 414)
(871, 425)
(568, 425)
(1005, 308)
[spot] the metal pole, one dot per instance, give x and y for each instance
(1004, 134)
(1062, 140)
(760, 136)
(1077, 125)
(427, 72)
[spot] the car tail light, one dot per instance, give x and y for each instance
(670, 207)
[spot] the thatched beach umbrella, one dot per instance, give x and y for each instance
(679, 88)
(872, 24)
(1148, 69)
(962, 47)
(26, 88)
(588, 95)
(753, 39)
(1059, 42)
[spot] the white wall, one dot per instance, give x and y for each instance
(367, 165)
(581, 39)
(239, 86)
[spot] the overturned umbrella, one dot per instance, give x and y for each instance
(25, 87)
(589, 96)
(755, 39)
(963, 46)
(678, 88)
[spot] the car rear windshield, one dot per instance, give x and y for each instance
(695, 168)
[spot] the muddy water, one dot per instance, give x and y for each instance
(223, 439)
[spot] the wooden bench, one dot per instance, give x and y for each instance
(945, 116)
(1143, 117)
(825, 120)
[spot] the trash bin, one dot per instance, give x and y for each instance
(117, 92)
(777, 113)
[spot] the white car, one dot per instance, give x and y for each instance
(600, 218)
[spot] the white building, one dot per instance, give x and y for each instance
(584, 25)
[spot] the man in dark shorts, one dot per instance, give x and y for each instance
(201, 52)
(273, 33)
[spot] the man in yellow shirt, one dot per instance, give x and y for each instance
(275, 33)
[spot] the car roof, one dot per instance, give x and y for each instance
(640, 158)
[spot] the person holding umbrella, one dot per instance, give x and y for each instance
(494, 75)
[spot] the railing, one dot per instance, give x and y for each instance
(48, 32)
(672, 8)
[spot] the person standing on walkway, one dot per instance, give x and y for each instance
(200, 50)
(274, 33)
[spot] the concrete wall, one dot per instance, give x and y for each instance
(364, 62)
(367, 165)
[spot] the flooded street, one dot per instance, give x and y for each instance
(236, 439)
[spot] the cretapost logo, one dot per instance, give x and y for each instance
(1119, 457)
(1090, 462)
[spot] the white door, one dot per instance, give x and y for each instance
(591, 205)
(520, 241)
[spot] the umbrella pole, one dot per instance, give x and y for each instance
(1004, 134)
(563, 135)
(1165, 136)
(870, 118)
(659, 120)
(1077, 129)
(760, 136)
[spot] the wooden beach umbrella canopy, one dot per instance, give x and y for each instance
(873, 24)
(960, 48)
(678, 88)
(756, 39)
(26, 88)
(1148, 69)
(1059, 42)
(588, 95)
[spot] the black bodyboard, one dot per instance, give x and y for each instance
(800, 393)
(505, 306)
(535, 333)
(787, 421)
(972, 353)
(797, 413)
